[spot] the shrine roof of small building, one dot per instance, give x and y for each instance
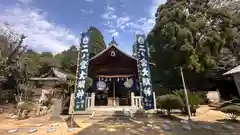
(233, 71)
(115, 47)
(53, 75)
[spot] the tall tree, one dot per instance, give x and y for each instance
(98, 43)
(68, 59)
(191, 34)
(134, 49)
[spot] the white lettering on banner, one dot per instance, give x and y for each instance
(84, 56)
(146, 81)
(83, 64)
(144, 72)
(81, 84)
(142, 53)
(84, 50)
(84, 46)
(141, 47)
(143, 63)
(147, 91)
(146, 100)
(82, 75)
(80, 94)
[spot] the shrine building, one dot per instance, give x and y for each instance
(115, 84)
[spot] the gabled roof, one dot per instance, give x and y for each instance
(53, 74)
(109, 47)
(233, 71)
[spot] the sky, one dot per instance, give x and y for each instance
(54, 25)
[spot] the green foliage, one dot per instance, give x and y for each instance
(18, 64)
(193, 97)
(192, 36)
(160, 91)
(98, 43)
(169, 102)
(134, 50)
(231, 108)
(68, 59)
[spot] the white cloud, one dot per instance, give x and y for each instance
(86, 12)
(115, 34)
(24, 1)
(148, 22)
(89, 0)
(131, 24)
(154, 6)
(42, 34)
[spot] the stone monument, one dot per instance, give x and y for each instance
(56, 109)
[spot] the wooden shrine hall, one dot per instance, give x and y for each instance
(115, 80)
(114, 68)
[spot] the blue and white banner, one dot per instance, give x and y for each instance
(82, 72)
(144, 72)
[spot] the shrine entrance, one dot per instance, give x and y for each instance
(115, 94)
(115, 76)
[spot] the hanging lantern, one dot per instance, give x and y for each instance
(109, 79)
(101, 85)
(128, 83)
(118, 79)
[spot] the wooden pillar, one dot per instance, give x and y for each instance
(132, 99)
(114, 99)
(92, 100)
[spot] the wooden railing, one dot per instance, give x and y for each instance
(136, 101)
(90, 100)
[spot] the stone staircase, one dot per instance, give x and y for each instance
(93, 116)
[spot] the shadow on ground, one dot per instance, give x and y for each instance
(155, 126)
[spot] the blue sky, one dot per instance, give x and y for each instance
(54, 25)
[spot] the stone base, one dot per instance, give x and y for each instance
(56, 119)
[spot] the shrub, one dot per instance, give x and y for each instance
(194, 98)
(169, 102)
(231, 108)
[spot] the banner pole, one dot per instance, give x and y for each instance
(75, 86)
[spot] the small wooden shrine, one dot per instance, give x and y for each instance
(53, 77)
